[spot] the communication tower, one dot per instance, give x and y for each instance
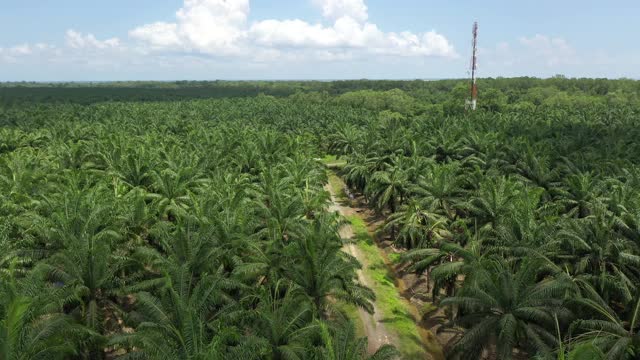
(473, 102)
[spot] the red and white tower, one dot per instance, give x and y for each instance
(473, 103)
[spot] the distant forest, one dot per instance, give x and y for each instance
(495, 94)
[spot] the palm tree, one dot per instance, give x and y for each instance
(302, 172)
(85, 265)
(280, 208)
(493, 201)
(616, 338)
(624, 205)
(345, 140)
(538, 171)
(184, 320)
(582, 192)
(323, 270)
(359, 169)
(90, 290)
(135, 169)
(508, 310)
(22, 180)
(340, 343)
(172, 190)
(417, 226)
(482, 148)
(596, 253)
(30, 326)
(441, 189)
(530, 224)
(75, 156)
(140, 220)
(283, 320)
(388, 189)
(447, 147)
(446, 263)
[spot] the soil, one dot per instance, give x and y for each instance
(416, 289)
(373, 326)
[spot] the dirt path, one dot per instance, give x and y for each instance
(373, 326)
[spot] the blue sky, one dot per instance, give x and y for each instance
(314, 39)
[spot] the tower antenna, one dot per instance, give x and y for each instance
(473, 103)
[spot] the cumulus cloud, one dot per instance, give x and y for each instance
(207, 26)
(335, 9)
(78, 40)
(346, 32)
(79, 49)
(18, 52)
(427, 44)
(220, 27)
(160, 34)
(218, 34)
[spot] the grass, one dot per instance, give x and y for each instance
(394, 309)
(337, 186)
(327, 159)
(394, 258)
(428, 308)
(332, 162)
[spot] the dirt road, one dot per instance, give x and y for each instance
(372, 323)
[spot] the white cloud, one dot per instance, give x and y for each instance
(158, 34)
(220, 27)
(214, 37)
(213, 24)
(336, 9)
(553, 50)
(427, 44)
(346, 32)
(207, 26)
(77, 40)
(20, 50)
(16, 52)
(79, 49)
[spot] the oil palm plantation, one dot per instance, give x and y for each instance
(446, 263)
(341, 343)
(282, 320)
(183, 320)
(85, 266)
(507, 311)
(190, 226)
(594, 251)
(323, 271)
(441, 189)
(388, 188)
(31, 324)
(417, 226)
(613, 336)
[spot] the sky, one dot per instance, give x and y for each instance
(80, 40)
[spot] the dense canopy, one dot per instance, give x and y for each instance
(178, 224)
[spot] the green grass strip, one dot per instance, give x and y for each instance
(332, 162)
(395, 312)
(337, 186)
